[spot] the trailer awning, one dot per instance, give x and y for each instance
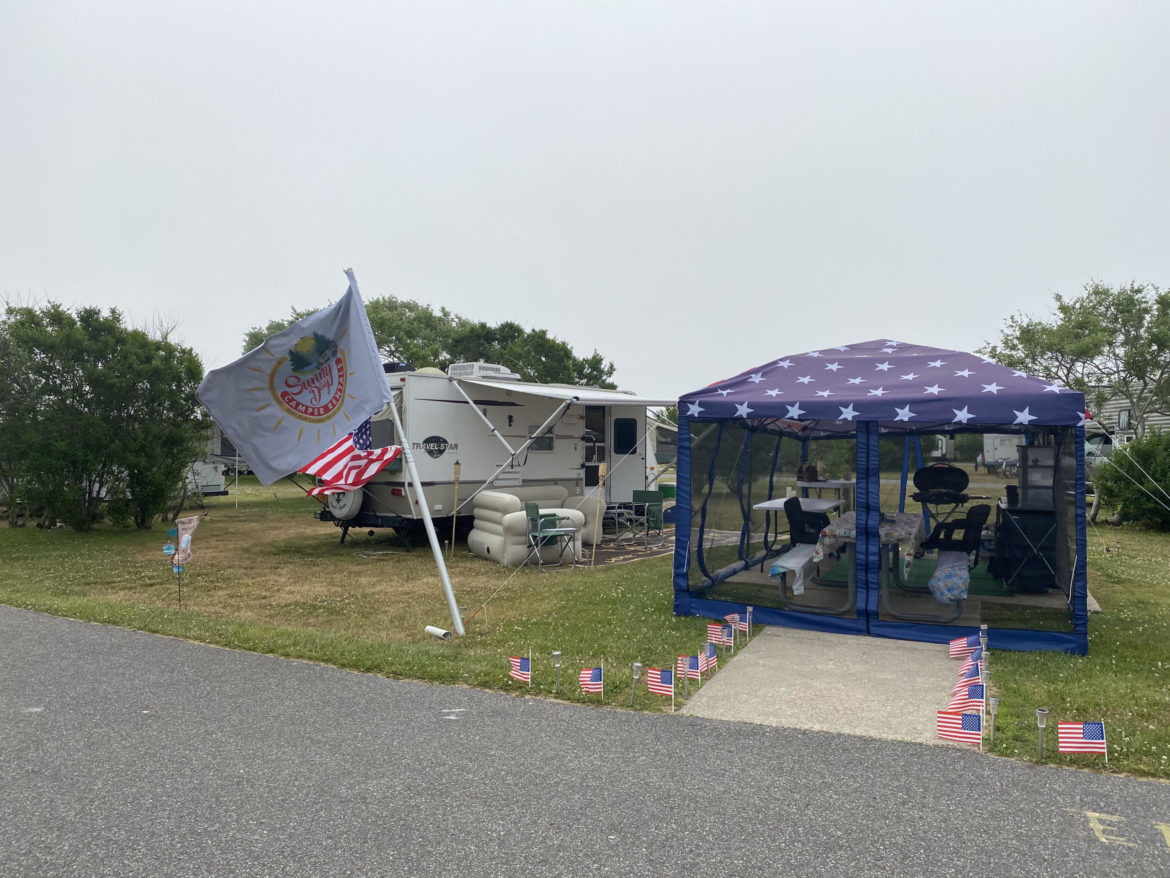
(582, 395)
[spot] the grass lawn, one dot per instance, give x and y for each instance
(268, 577)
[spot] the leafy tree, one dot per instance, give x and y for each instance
(1134, 478)
(409, 332)
(111, 416)
(1107, 343)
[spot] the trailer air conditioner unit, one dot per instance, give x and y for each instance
(481, 370)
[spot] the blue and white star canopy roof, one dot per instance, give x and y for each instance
(903, 387)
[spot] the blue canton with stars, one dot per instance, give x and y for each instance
(901, 386)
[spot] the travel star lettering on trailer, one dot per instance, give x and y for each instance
(502, 433)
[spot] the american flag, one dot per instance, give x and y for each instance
(521, 669)
(969, 678)
(970, 661)
(962, 646)
(660, 681)
(1080, 738)
(349, 462)
(688, 666)
(708, 657)
(969, 699)
(591, 680)
(736, 622)
(717, 633)
(955, 726)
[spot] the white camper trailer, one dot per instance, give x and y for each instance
(479, 426)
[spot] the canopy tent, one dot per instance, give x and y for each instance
(860, 405)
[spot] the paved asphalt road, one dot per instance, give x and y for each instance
(127, 754)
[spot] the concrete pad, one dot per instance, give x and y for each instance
(855, 685)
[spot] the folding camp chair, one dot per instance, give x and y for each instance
(645, 519)
(544, 529)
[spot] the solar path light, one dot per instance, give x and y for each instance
(1041, 722)
(634, 688)
(557, 664)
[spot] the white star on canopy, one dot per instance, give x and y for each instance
(847, 412)
(992, 388)
(934, 389)
(693, 409)
(962, 415)
(903, 414)
(742, 410)
(795, 411)
(1023, 417)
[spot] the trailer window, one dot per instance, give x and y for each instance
(541, 443)
(625, 435)
(382, 433)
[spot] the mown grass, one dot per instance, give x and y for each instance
(268, 577)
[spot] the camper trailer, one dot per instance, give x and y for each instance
(479, 426)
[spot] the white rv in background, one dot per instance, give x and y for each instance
(478, 426)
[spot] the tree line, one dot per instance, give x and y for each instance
(99, 420)
(410, 332)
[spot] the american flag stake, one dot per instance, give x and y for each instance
(955, 726)
(963, 646)
(969, 699)
(660, 681)
(717, 633)
(592, 680)
(1081, 738)
(708, 658)
(521, 669)
(969, 662)
(970, 678)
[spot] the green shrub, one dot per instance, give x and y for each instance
(1134, 479)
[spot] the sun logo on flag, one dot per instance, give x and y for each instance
(309, 382)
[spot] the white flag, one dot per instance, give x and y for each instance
(291, 398)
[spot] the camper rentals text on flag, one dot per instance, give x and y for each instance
(285, 402)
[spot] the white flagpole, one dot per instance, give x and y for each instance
(672, 702)
(427, 523)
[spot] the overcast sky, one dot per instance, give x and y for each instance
(691, 189)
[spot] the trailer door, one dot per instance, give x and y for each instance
(627, 446)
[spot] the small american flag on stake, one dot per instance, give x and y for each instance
(1081, 738)
(660, 681)
(717, 633)
(688, 666)
(592, 680)
(521, 669)
(955, 726)
(708, 657)
(969, 699)
(962, 646)
(969, 678)
(736, 622)
(969, 661)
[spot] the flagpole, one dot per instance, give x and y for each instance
(456, 621)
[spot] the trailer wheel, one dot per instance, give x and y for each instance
(346, 505)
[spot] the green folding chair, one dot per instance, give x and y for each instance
(646, 518)
(545, 529)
